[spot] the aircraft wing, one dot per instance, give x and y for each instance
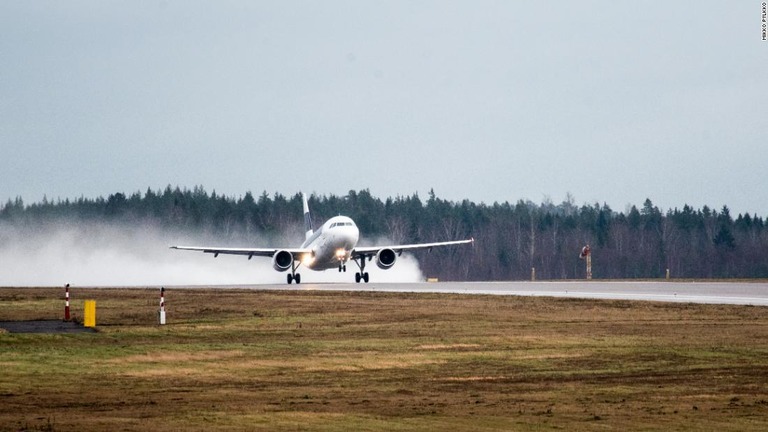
(250, 252)
(372, 250)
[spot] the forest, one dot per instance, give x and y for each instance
(510, 239)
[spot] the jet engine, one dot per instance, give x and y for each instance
(385, 258)
(282, 261)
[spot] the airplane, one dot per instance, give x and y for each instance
(333, 245)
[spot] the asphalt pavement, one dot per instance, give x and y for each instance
(736, 293)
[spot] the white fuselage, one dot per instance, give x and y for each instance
(331, 244)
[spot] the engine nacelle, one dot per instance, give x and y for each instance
(282, 261)
(385, 258)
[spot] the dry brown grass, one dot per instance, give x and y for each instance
(307, 360)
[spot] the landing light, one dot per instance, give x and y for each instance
(341, 253)
(307, 259)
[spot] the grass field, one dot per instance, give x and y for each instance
(366, 361)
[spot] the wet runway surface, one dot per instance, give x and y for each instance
(738, 293)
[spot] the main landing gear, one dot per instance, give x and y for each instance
(362, 274)
(293, 276)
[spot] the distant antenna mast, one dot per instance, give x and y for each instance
(586, 254)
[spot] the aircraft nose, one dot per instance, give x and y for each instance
(352, 234)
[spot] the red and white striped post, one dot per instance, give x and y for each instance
(66, 303)
(162, 305)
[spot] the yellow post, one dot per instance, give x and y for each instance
(90, 313)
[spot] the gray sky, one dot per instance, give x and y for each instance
(487, 100)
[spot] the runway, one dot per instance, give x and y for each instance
(733, 293)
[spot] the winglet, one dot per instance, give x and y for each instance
(307, 219)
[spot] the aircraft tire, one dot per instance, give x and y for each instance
(357, 277)
(290, 278)
(298, 278)
(365, 277)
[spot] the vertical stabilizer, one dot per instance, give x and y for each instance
(307, 219)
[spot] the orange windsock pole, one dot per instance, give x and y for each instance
(586, 254)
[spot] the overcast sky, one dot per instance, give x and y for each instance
(612, 101)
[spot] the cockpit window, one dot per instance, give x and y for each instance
(341, 224)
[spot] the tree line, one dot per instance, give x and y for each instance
(510, 239)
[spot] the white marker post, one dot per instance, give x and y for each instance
(162, 305)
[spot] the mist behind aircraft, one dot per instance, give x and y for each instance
(116, 255)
